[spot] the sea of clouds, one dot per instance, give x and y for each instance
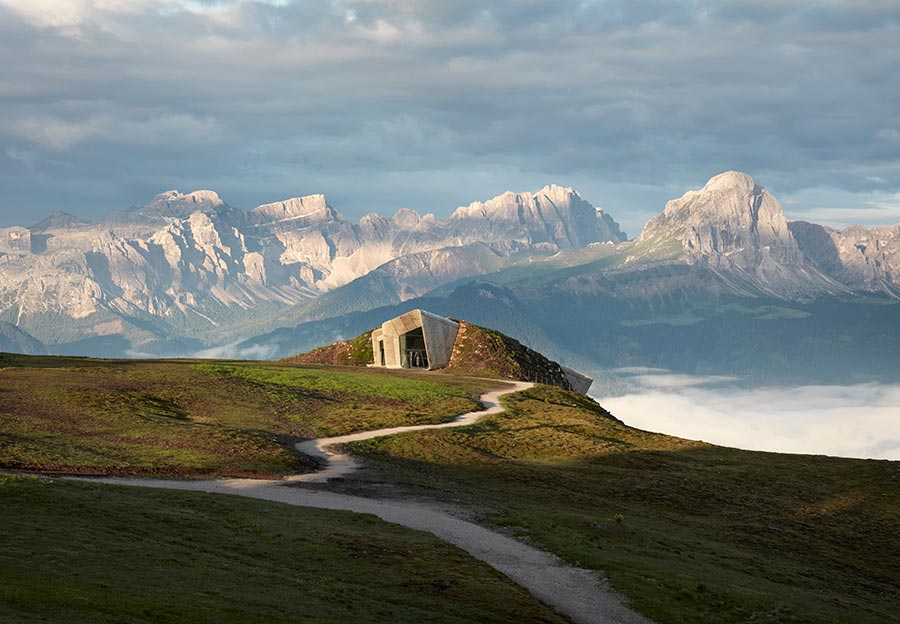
(859, 420)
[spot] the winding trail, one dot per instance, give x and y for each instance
(580, 594)
(338, 464)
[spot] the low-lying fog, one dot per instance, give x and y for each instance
(861, 420)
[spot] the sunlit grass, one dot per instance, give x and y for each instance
(209, 418)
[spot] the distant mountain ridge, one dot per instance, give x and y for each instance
(719, 283)
(188, 272)
(191, 266)
(737, 231)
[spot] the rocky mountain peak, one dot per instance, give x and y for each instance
(309, 208)
(856, 256)
(731, 181)
(729, 202)
(57, 221)
(556, 193)
(204, 197)
(406, 219)
(554, 215)
(731, 223)
(725, 197)
(194, 197)
(172, 205)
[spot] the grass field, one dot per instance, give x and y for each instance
(688, 531)
(84, 553)
(198, 418)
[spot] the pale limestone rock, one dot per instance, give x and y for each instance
(730, 221)
(554, 214)
(735, 227)
(190, 256)
(15, 241)
(864, 259)
(311, 208)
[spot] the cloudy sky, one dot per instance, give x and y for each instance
(394, 103)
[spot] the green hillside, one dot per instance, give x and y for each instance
(477, 352)
(690, 532)
(199, 418)
(82, 553)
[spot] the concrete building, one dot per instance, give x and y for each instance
(417, 339)
(420, 339)
(579, 382)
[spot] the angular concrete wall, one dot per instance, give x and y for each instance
(580, 383)
(439, 334)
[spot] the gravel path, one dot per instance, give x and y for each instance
(339, 464)
(580, 594)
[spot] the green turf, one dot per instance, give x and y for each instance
(200, 418)
(689, 532)
(88, 553)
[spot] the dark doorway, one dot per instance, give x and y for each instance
(381, 350)
(412, 349)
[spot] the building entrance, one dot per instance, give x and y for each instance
(412, 349)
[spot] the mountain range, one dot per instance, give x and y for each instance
(188, 274)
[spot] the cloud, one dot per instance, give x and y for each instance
(847, 421)
(58, 135)
(839, 208)
(233, 351)
(434, 104)
(660, 378)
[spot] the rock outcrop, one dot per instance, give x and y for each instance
(734, 228)
(730, 222)
(477, 351)
(555, 216)
(862, 259)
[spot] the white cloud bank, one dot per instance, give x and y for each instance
(861, 420)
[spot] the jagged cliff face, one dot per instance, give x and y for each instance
(737, 230)
(862, 259)
(192, 261)
(189, 266)
(730, 222)
(554, 216)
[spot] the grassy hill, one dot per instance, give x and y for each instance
(199, 418)
(478, 352)
(354, 352)
(688, 531)
(86, 553)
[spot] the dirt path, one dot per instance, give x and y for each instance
(580, 594)
(340, 464)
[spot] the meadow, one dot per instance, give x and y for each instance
(688, 531)
(100, 554)
(200, 418)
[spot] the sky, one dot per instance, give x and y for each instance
(859, 420)
(428, 105)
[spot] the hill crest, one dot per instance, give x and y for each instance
(477, 351)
